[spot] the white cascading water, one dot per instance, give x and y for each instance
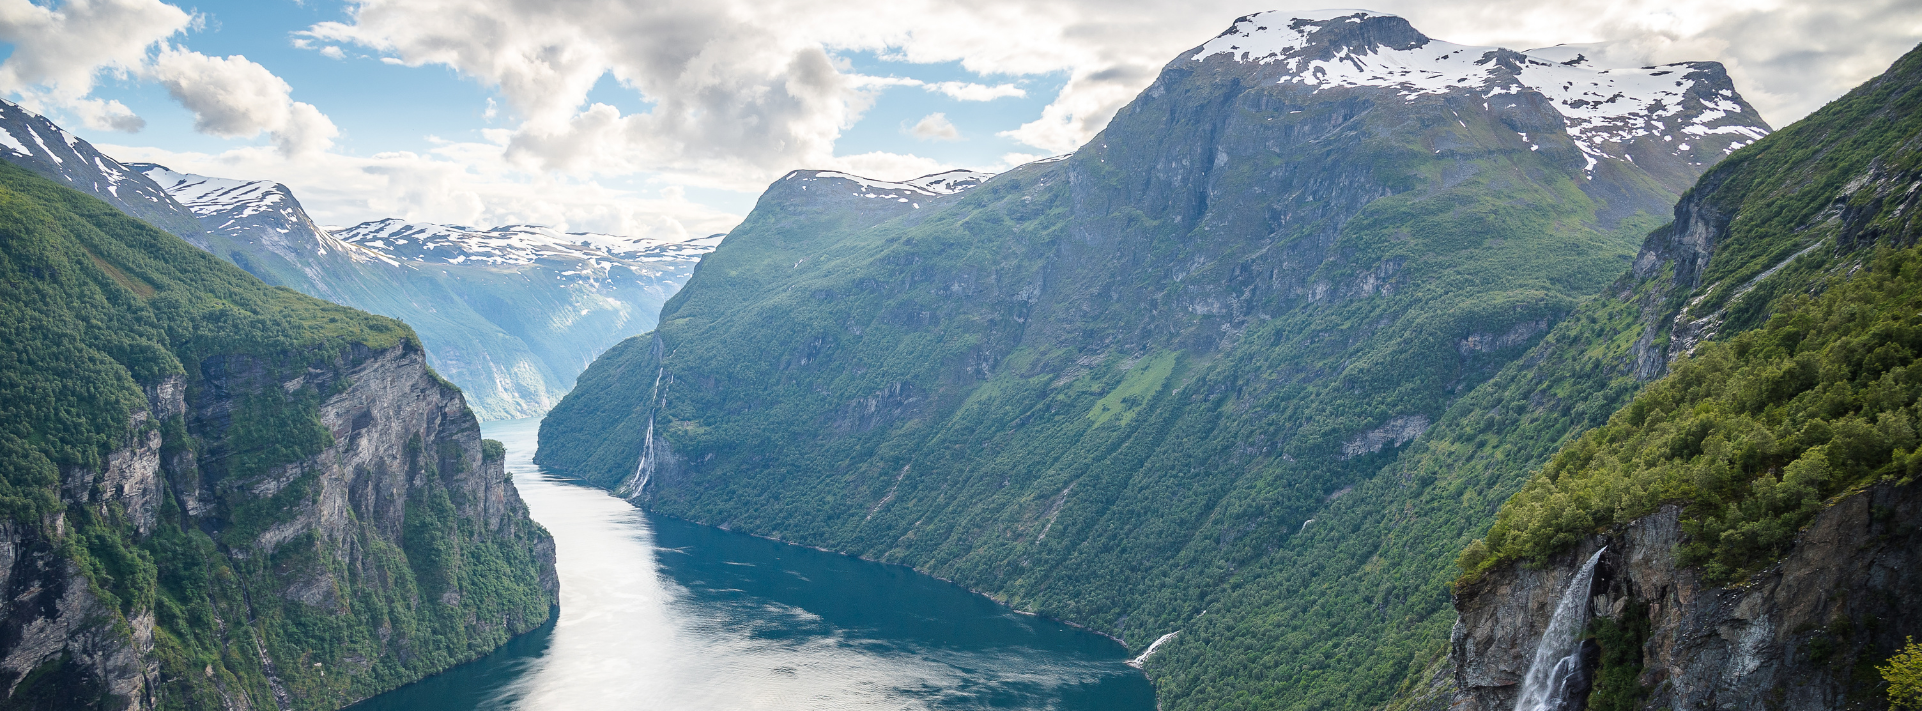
(1558, 659)
(636, 483)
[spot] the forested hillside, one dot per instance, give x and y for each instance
(1166, 384)
(1764, 488)
(220, 494)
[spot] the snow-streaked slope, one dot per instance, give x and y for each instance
(907, 191)
(1603, 107)
(31, 141)
(207, 196)
(510, 314)
(514, 244)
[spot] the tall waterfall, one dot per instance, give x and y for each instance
(636, 483)
(1558, 659)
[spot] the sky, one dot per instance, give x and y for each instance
(664, 118)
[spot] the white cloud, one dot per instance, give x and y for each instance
(965, 91)
(935, 127)
(59, 52)
(455, 182)
(233, 97)
(743, 91)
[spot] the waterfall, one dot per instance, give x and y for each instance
(635, 483)
(1558, 659)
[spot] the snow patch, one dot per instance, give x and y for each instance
(1601, 105)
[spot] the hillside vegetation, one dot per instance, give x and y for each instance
(103, 316)
(1161, 385)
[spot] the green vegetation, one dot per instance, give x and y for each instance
(99, 309)
(1903, 672)
(898, 390)
(1103, 398)
(1618, 683)
(1753, 433)
(1778, 417)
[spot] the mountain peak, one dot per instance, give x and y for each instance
(1688, 104)
(1318, 34)
(206, 195)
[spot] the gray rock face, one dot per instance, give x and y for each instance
(52, 622)
(1797, 636)
(386, 412)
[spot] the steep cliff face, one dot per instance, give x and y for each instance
(222, 495)
(1804, 634)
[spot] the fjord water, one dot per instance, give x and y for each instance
(658, 613)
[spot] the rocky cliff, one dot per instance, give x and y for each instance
(224, 495)
(1804, 634)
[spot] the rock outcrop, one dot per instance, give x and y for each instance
(399, 437)
(1804, 634)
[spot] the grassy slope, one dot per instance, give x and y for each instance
(99, 305)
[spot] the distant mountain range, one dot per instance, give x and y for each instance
(510, 314)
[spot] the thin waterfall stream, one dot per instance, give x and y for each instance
(1558, 658)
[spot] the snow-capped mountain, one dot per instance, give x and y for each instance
(514, 244)
(509, 314)
(1690, 109)
(906, 191)
(30, 141)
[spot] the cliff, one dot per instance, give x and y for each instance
(1804, 634)
(219, 494)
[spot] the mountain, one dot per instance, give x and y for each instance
(1753, 507)
(1170, 387)
(511, 329)
(215, 493)
(510, 314)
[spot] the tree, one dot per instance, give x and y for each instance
(1904, 674)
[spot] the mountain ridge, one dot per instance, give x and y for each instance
(1117, 387)
(513, 341)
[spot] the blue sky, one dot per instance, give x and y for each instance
(383, 106)
(666, 117)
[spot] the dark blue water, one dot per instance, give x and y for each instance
(662, 614)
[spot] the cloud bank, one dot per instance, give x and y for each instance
(736, 92)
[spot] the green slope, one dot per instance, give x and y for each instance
(1755, 432)
(1831, 182)
(99, 310)
(1159, 386)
